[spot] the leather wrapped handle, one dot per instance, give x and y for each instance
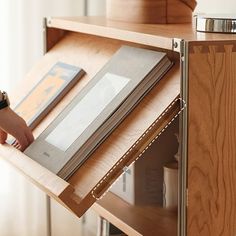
(191, 3)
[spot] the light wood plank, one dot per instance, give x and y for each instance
(138, 149)
(149, 11)
(212, 137)
(110, 29)
(156, 35)
(137, 11)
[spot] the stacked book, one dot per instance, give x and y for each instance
(98, 109)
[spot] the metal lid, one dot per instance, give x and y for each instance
(216, 23)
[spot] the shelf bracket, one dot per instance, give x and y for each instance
(177, 45)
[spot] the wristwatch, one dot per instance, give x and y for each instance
(4, 101)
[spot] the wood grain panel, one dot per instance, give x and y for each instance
(212, 138)
(137, 11)
(191, 3)
(150, 11)
(182, 15)
(53, 36)
(157, 35)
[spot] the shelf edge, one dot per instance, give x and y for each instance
(110, 31)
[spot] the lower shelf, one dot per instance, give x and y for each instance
(137, 220)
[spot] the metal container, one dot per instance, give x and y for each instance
(216, 23)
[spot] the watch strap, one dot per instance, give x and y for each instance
(3, 104)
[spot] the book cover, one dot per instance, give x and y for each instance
(48, 92)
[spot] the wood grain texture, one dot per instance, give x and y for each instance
(135, 151)
(150, 11)
(178, 12)
(137, 220)
(191, 3)
(137, 11)
(53, 36)
(212, 137)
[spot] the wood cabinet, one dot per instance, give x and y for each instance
(200, 88)
(211, 138)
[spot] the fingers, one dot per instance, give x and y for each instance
(3, 136)
(13, 124)
(22, 142)
(29, 136)
(16, 145)
(23, 139)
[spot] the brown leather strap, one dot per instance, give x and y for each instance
(191, 3)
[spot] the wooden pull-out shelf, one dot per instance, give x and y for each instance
(121, 148)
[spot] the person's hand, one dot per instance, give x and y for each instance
(11, 123)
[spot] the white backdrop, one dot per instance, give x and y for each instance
(21, 24)
(216, 6)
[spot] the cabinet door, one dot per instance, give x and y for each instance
(22, 206)
(211, 139)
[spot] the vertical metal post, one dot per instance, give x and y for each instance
(48, 202)
(85, 7)
(48, 216)
(102, 227)
(184, 144)
(44, 35)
